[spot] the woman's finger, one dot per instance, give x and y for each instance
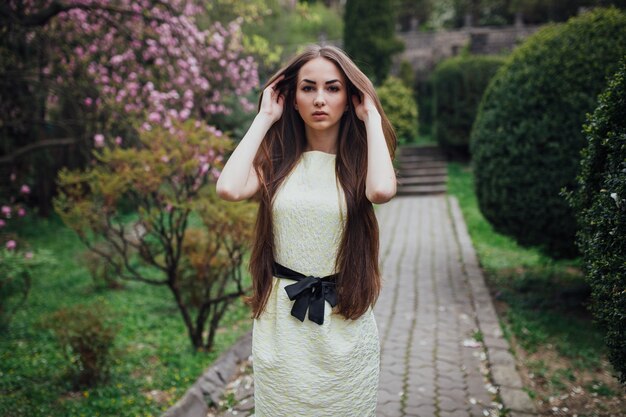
(276, 81)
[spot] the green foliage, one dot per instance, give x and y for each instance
(407, 10)
(406, 73)
(17, 269)
(369, 36)
(280, 32)
(526, 139)
(153, 363)
(458, 86)
(399, 105)
(534, 11)
(168, 181)
(600, 205)
(103, 272)
(86, 334)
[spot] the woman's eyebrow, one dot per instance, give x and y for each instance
(327, 82)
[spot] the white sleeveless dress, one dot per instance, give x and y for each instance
(302, 369)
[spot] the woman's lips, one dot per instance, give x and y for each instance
(319, 115)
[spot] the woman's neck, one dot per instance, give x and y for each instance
(322, 140)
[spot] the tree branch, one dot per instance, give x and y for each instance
(8, 159)
(43, 16)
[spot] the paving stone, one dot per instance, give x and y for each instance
(391, 409)
(456, 413)
(445, 383)
(457, 395)
(517, 400)
(501, 356)
(385, 397)
(448, 404)
(506, 375)
(421, 411)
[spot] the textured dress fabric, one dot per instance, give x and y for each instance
(302, 369)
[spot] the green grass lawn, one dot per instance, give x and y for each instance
(543, 306)
(154, 360)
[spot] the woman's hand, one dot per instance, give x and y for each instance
(364, 108)
(272, 103)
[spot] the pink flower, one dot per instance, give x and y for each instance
(88, 101)
(165, 159)
(98, 140)
(28, 255)
(11, 245)
(6, 210)
(21, 212)
(118, 140)
(25, 189)
(154, 117)
(2, 223)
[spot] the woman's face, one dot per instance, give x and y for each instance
(321, 94)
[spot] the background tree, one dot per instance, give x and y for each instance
(369, 36)
(412, 13)
(183, 236)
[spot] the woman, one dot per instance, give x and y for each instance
(318, 154)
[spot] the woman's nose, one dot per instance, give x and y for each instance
(319, 98)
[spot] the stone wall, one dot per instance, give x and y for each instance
(425, 49)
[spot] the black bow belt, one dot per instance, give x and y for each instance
(309, 293)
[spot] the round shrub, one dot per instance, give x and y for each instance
(397, 100)
(86, 335)
(526, 139)
(600, 205)
(458, 86)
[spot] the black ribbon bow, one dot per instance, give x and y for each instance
(309, 293)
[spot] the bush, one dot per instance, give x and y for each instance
(16, 272)
(170, 181)
(600, 205)
(399, 105)
(458, 86)
(527, 138)
(86, 338)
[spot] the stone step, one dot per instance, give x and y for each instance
(422, 189)
(425, 164)
(424, 179)
(417, 172)
(420, 150)
(420, 158)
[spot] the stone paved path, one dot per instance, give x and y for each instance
(442, 350)
(430, 360)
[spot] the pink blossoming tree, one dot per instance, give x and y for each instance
(81, 73)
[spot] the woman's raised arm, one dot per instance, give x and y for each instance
(238, 180)
(380, 183)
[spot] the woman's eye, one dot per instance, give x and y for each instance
(307, 88)
(333, 88)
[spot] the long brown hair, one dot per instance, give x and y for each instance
(358, 283)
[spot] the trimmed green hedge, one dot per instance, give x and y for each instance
(600, 205)
(458, 86)
(527, 137)
(399, 105)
